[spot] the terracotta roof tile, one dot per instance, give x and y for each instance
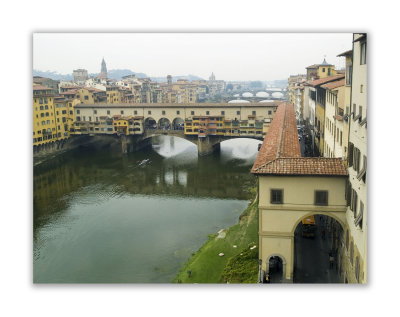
(316, 166)
(325, 80)
(280, 152)
(334, 84)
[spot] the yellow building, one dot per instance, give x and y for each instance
(319, 71)
(44, 119)
(113, 94)
(292, 188)
(90, 95)
(320, 102)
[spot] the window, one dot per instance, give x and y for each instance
(329, 71)
(41, 102)
(64, 112)
(349, 69)
(48, 121)
(42, 114)
(356, 159)
(122, 111)
(95, 111)
(350, 154)
(78, 111)
(178, 112)
(363, 53)
(359, 218)
(357, 269)
(207, 113)
(323, 69)
(363, 172)
(163, 112)
(108, 111)
(361, 88)
(71, 112)
(90, 118)
(238, 113)
(321, 197)
(46, 107)
(254, 113)
(192, 113)
(223, 113)
(353, 204)
(276, 196)
(351, 252)
(135, 112)
(149, 112)
(269, 112)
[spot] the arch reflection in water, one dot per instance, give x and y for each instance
(244, 150)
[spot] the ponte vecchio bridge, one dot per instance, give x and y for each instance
(204, 124)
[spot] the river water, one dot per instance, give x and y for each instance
(105, 217)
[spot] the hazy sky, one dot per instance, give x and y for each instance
(231, 56)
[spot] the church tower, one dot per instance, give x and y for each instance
(103, 73)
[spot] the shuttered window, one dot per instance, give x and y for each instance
(363, 172)
(276, 196)
(321, 197)
(359, 218)
(350, 159)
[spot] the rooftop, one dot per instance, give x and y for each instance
(280, 152)
(325, 80)
(334, 84)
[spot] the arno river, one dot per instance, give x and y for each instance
(105, 217)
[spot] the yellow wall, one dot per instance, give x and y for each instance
(323, 74)
(277, 222)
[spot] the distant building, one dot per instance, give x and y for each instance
(318, 71)
(80, 76)
(103, 73)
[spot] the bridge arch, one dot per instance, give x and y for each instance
(150, 123)
(178, 123)
(164, 124)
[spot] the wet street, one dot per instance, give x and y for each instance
(312, 258)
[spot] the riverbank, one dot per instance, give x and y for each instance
(230, 256)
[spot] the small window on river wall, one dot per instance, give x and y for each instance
(276, 196)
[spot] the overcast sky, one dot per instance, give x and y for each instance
(231, 56)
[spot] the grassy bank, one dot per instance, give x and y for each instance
(238, 265)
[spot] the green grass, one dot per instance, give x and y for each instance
(206, 266)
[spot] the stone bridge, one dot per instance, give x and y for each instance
(205, 145)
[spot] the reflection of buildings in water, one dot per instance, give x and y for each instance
(182, 178)
(169, 177)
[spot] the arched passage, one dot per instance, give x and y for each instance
(164, 124)
(276, 268)
(150, 123)
(178, 124)
(317, 239)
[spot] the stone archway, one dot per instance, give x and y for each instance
(150, 123)
(276, 268)
(315, 252)
(164, 124)
(178, 124)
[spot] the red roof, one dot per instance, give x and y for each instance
(280, 151)
(304, 166)
(325, 80)
(40, 87)
(334, 84)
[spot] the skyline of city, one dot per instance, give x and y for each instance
(178, 54)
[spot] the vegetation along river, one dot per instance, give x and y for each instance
(105, 217)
